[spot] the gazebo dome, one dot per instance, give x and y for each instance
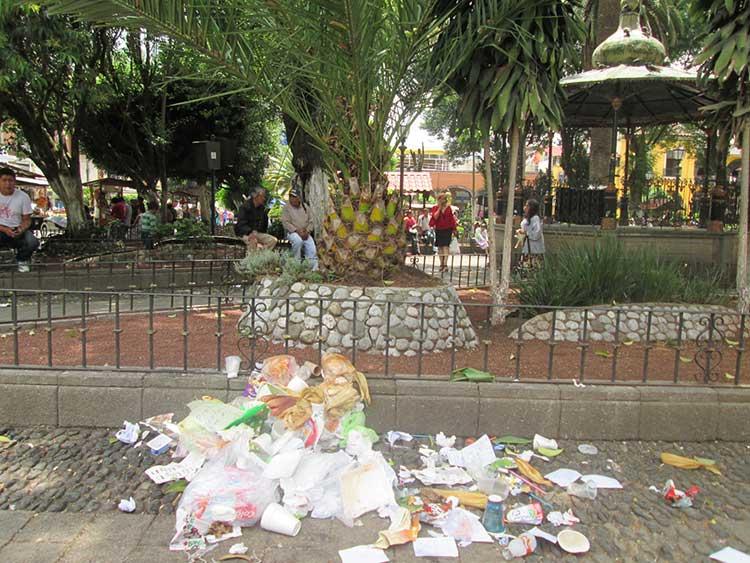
(629, 45)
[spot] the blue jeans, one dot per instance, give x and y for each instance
(308, 245)
(25, 245)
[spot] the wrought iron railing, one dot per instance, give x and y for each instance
(192, 331)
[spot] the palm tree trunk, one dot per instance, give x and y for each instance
(742, 242)
(501, 296)
(491, 235)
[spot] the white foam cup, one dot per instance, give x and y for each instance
(232, 364)
(297, 384)
(278, 519)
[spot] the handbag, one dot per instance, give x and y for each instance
(454, 248)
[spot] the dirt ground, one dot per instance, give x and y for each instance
(498, 353)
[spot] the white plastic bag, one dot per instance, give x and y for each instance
(454, 247)
(224, 493)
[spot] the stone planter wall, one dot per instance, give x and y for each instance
(665, 322)
(339, 315)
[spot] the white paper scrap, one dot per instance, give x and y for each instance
(435, 547)
(444, 441)
(239, 549)
(730, 555)
(395, 436)
(365, 488)
(442, 476)
(602, 481)
(541, 534)
(563, 477)
(542, 442)
(363, 554)
(127, 505)
(478, 454)
(186, 469)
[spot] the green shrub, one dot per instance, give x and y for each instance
(283, 266)
(190, 229)
(606, 273)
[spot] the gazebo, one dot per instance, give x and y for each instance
(631, 86)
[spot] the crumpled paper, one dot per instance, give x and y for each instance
(127, 505)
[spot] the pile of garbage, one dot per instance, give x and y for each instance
(295, 444)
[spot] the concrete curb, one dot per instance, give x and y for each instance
(558, 410)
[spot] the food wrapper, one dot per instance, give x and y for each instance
(527, 514)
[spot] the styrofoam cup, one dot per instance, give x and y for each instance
(232, 364)
(278, 519)
(297, 384)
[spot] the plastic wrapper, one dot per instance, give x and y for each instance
(279, 369)
(526, 514)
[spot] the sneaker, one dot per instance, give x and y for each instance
(24, 267)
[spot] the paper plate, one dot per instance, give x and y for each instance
(573, 542)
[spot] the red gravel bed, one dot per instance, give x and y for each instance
(500, 351)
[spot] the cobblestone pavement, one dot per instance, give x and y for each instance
(82, 474)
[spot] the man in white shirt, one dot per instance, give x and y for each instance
(15, 220)
(297, 223)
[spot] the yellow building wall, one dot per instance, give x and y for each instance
(687, 170)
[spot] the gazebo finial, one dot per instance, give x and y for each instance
(629, 45)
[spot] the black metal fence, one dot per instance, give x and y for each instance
(192, 331)
(657, 201)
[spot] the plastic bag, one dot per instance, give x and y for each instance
(454, 247)
(224, 493)
(279, 369)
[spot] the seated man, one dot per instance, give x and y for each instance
(297, 223)
(15, 220)
(252, 222)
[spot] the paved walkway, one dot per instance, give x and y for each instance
(59, 489)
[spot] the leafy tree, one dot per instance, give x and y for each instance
(726, 59)
(512, 76)
(130, 133)
(350, 74)
(48, 68)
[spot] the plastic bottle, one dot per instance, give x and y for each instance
(522, 546)
(492, 519)
(582, 490)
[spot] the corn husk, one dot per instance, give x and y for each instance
(465, 498)
(531, 473)
(690, 462)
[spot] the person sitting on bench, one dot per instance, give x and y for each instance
(297, 223)
(15, 220)
(252, 222)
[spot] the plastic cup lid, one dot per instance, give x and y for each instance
(495, 498)
(573, 542)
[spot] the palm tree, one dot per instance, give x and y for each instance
(512, 75)
(352, 74)
(724, 58)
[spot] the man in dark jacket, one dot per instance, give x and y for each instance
(252, 222)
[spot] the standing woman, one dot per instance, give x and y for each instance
(444, 222)
(531, 227)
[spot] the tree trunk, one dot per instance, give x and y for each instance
(163, 179)
(491, 235)
(68, 188)
(742, 243)
(607, 22)
(501, 296)
(310, 168)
